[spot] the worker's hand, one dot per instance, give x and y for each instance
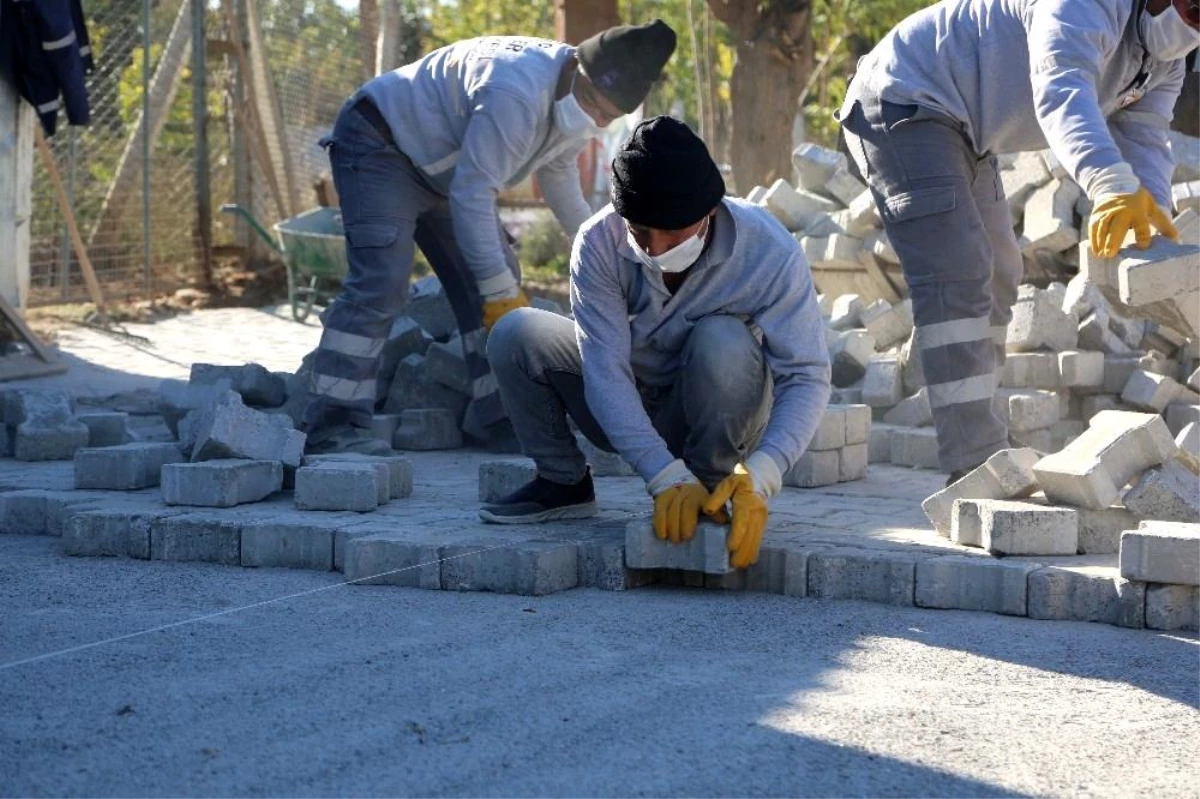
(678, 498)
(495, 308)
(1115, 216)
(747, 490)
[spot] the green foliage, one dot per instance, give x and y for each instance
(453, 20)
(545, 248)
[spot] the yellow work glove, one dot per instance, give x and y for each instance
(747, 489)
(1112, 218)
(678, 498)
(494, 309)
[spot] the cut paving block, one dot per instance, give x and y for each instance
(602, 564)
(1079, 369)
(869, 575)
(176, 399)
(1007, 474)
(253, 382)
(1033, 370)
(706, 552)
(1050, 218)
(384, 558)
(499, 478)
(1149, 391)
(200, 537)
(814, 469)
(427, 429)
(879, 445)
(115, 533)
(45, 428)
(963, 582)
(105, 428)
(915, 447)
(528, 568)
(831, 430)
(1095, 333)
(400, 469)
(448, 365)
(603, 464)
(1170, 492)
(126, 467)
(815, 165)
(843, 187)
(413, 387)
(1038, 321)
(406, 338)
(910, 365)
(1086, 589)
(384, 426)
(847, 312)
(190, 426)
(235, 431)
(883, 386)
(858, 423)
(1165, 271)
(1021, 528)
(888, 324)
(966, 525)
(849, 355)
(293, 541)
(796, 210)
(340, 486)
(1172, 607)
(1027, 174)
(1162, 552)
(1100, 530)
(911, 412)
(1032, 410)
(852, 462)
(429, 307)
(1117, 446)
(220, 483)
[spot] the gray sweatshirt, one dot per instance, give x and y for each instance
(477, 117)
(628, 331)
(1026, 74)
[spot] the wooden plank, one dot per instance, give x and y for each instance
(20, 366)
(13, 317)
(270, 114)
(16, 179)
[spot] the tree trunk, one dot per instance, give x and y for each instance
(774, 57)
(368, 36)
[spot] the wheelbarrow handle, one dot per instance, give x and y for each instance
(234, 208)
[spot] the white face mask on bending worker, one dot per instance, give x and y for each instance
(572, 120)
(676, 259)
(1167, 35)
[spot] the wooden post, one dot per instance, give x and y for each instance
(16, 180)
(575, 20)
(200, 170)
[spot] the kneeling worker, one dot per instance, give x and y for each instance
(697, 352)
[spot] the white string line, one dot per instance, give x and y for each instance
(161, 627)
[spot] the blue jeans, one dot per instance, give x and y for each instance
(387, 206)
(712, 416)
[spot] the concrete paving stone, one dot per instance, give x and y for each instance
(388, 559)
(1095, 333)
(963, 582)
(888, 324)
(1149, 392)
(429, 307)
(1093, 404)
(915, 447)
(1083, 589)
(966, 523)
(1172, 607)
(847, 312)
(912, 411)
(194, 422)
(1164, 271)
(23, 512)
(105, 428)
(1050, 218)
(400, 469)
(448, 366)
(863, 215)
(384, 426)
(344, 486)
(603, 463)
(1194, 380)
(843, 187)
(1170, 492)
(852, 462)
(858, 423)
(849, 356)
(405, 338)
(499, 478)
(252, 381)
(241, 432)
(1041, 440)
(176, 399)
(46, 408)
(879, 445)
(203, 537)
(1188, 441)
(1032, 370)
(602, 564)
(1033, 410)
(426, 429)
(764, 576)
(124, 467)
(1161, 552)
(302, 540)
(1116, 447)
(1118, 369)
(849, 396)
(706, 552)
(1038, 321)
(413, 387)
(111, 532)
(1022, 528)
(831, 430)
(528, 568)
(814, 469)
(815, 165)
(883, 386)
(1179, 415)
(796, 210)
(33, 443)
(872, 576)
(1100, 530)
(795, 572)
(1027, 174)
(220, 483)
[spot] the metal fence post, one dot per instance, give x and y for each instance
(200, 140)
(146, 250)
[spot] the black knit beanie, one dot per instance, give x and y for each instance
(623, 62)
(663, 176)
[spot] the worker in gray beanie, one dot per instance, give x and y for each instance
(419, 155)
(697, 352)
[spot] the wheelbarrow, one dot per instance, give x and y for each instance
(313, 248)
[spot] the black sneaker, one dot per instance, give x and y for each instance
(543, 501)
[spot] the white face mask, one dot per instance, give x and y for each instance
(572, 120)
(1168, 36)
(676, 259)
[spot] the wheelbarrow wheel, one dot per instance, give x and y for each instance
(302, 297)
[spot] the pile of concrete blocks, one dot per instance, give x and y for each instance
(838, 451)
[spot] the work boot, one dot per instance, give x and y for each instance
(344, 439)
(543, 501)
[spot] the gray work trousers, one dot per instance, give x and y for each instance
(945, 214)
(387, 205)
(711, 416)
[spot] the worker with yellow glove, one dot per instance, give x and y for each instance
(697, 352)
(419, 155)
(962, 81)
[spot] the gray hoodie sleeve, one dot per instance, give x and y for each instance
(1140, 130)
(499, 138)
(1068, 40)
(559, 181)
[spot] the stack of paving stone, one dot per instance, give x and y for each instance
(45, 426)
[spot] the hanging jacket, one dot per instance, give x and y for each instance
(45, 54)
